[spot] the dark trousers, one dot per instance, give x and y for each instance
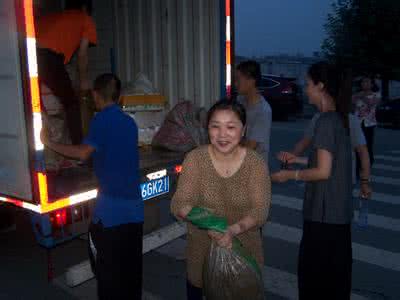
(53, 74)
(116, 257)
(369, 133)
(325, 262)
(192, 292)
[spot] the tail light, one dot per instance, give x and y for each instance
(59, 218)
(178, 169)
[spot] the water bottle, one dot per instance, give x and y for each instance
(363, 212)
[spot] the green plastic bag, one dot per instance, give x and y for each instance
(227, 274)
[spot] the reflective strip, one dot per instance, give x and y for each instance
(32, 58)
(19, 203)
(75, 199)
(228, 48)
(37, 128)
(228, 76)
(228, 28)
(29, 20)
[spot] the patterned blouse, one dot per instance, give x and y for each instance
(245, 193)
(365, 107)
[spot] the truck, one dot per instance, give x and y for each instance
(184, 47)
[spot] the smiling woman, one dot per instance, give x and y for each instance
(229, 180)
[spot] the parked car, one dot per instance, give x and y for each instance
(388, 113)
(283, 94)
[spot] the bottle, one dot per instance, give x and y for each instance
(363, 212)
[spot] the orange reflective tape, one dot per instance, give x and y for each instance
(35, 95)
(43, 191)
(228, 8)
(60, 203)
(228, 53)
(29, 20)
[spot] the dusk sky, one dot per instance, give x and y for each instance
(280, 26)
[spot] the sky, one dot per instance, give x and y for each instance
(266, 27)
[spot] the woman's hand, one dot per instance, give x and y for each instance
(365, 191)
(281, 176)
(287, 157)
(183, 212)
(223, 240)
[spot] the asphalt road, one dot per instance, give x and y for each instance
(376, 249)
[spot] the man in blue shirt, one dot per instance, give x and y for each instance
(116, 231)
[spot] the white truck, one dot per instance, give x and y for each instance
(183, 46)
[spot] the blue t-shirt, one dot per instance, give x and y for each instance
(114, 135)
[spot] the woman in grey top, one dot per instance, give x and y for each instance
(325, 256)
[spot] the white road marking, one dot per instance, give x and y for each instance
(386, 167)
(385, 180)
(395, 151)
(363, 253)
(287, 128)
(284, 284)
(380, 197)
(388, 158)
(276, 281)
(373, 220)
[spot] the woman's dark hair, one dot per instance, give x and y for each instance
(251, 69)
(375, 87)
(108, 86)
(337, 84)
(228, 104)
(79, 4)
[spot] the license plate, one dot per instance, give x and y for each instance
(154, 188)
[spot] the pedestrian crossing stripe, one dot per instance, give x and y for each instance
(366, 254)
(395, 151)
(284, 284)
(386, 167)
(380, 197)
(387, 157)
(373, 220)
(385, 180)
(276, 281)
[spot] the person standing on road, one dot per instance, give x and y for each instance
(229, 179)
(116, 229)
(59, 36)
(325, 255)
(365, 103)
(258, 110)
(358, 143)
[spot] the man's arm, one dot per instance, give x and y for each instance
(259, 128)
(81, 152)
(83, 61)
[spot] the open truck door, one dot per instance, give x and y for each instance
(15, 178)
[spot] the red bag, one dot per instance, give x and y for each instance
(182, 129)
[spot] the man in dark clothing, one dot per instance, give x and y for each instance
(116, 230)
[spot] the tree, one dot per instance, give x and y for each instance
(364, 34)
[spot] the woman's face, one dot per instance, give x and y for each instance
(366, 85)
(313, 91)
(225, 131)
(243, 83)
